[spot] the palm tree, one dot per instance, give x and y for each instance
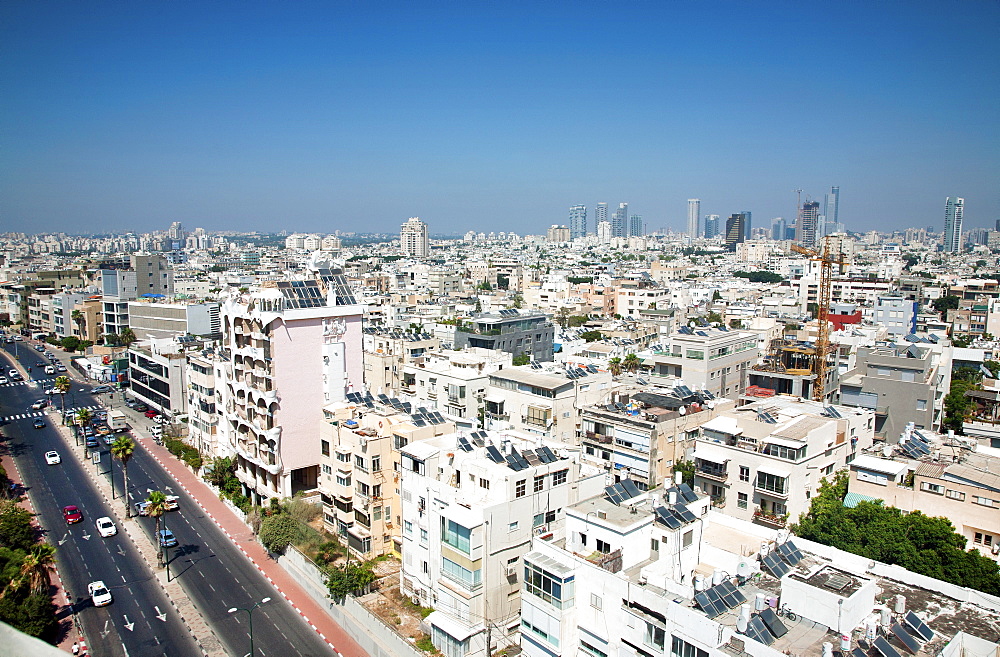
(157, 507)
(615, 365)
(127, 336)
(632, 363)
(83, 418)
(35, 570)
(62, 384)
(80, 319)
(122, 449)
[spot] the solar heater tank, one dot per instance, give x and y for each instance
(900, 604)
(885, 616)
(760, 601)
(672, 497)
(827, 649)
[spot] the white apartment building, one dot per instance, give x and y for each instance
(290, 347)
(453, 382)
(202, 403)
(149, 319)
(471, 503)
(387, 351)
(543, 402)
(413, 238)
(157, 374)
(763, 461)
(713, 359)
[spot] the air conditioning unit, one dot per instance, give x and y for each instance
(511, 570)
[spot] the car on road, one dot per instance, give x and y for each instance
(102, 429)
(40, 404)
(39, 423)
(172, 503)
(4, 380)
(60, 368)
(39, 347)
(150, 413)
(92, 441)
(72, 514)
(16, 376)
(142, 508)
(106, 527)
(96, 390)
(99, 593)
(52, 458)
(167, 538)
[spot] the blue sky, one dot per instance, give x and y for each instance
(492, 116)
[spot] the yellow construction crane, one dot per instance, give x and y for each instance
(826, 261)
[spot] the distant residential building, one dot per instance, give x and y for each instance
(387, 351)
(604, 232)
(557, 234)
(954, 208)
(705, 359)
(413, 238)
(636, 228)
(452, 382)
(778, 229)
(153, 275)
(578, 221)
(808, 221)
(600, 213)
(516, 332)
(694, 216)
(897, 314)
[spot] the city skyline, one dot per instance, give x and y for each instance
(321, 118)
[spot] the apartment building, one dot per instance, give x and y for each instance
(118, 287)
(716, 360)
(762, 462)
(641, 432)
(290, 347)
(387, 351)
(156, 373)
(360, 439)
(202, 402)
(149, 319)
(471, 504)
(520, 333)
(453, 382)
(543, 402)
(902, 383)
(949, 482)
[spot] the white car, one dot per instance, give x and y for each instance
(99, 593)
(105, 527)
(4, 380)
(52, 458)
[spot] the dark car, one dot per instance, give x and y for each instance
(72, 514)
(92, 441)
(39, 423)
(142, 408)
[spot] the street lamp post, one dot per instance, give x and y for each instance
(250, 616)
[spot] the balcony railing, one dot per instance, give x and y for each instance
(600, 437)
(772, 491)
(719, 474)
(770, 519)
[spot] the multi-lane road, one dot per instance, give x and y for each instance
(211, 570)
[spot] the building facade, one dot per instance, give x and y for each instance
(413, 238)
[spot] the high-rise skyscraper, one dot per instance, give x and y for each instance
(954, 207)
(778, 228)
(711, 226)
(735, 230)
(413, 238)
(578, 221)
(831, 208)
(694, 214)
(600, 214)
(805, 227)
(619, 222)
(747, 224)
(635, 227)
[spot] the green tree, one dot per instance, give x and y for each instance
(615, 366)
(155, 509)
(521, 359)
(686, 468)
(576, 321)
(278, 531)
(949, 302)
(716, 295)
(632, 363)
(503, 282)
(62, 384)
(16, 531)
(591, 336)
(562, 317)
(713, 318)
(70, 343)
(127, 336)
(348, 579)
(517, 301)
(83, 419)
(759, 276)
(122, 449)
(79, 319)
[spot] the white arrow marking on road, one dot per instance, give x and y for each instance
(169, 488)
(129, 626)
(159, 614)
(86, 537)
(106, 630)
(63, 539)
(121, 551)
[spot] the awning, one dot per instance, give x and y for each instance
(708, 455)
(784, 442)
(774, 471)
(453, 627)
(851, 500)
(495, 398)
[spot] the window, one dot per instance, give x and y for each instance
(772, 483)
(539, 484)
(512, 527)
(359, 463)
(741, 500)
(603, 547)
(449, 645)
(828, 469)
(423, 536)
(327, 469)
(520, 488)
(654, 545)
(456, 535)
(688, 538)
(460, 574)
(484, 483)
(937, 489)
(324, 446)
(983, 539)
(744, 473)
(407, 527)
(591, 650)
(955, 495)
(559, 478)
(549, 588)
(343, 457)
(538, 416)
(376, 463)
(655, 636)
(921, 404)
(539, 632)
(343, 481)
(681, 648)
(595, 601)
(984, 501)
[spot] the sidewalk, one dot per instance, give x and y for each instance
(242, 536)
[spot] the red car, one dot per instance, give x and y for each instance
(151, 414)
(72, 514)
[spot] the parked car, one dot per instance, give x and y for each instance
(150, 413)
(60, 368)
(4, 380)
(99, 593)
(167, 538)
(142, 508)
(72, 514)
(142, 408)
(52, 458)
(99, 389)
(106, 527)
(92, 441)
(39, 347)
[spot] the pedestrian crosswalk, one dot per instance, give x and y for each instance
(35, 414)
(47, 383)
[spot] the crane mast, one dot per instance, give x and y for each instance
(826, 261)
